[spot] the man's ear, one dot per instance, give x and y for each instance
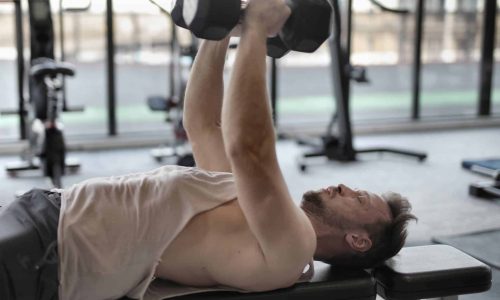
(358, 241)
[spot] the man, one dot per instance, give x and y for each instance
(230, 222)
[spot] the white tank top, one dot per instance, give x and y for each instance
(113, 231)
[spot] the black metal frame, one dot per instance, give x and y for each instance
(417, 59)
(20, 67)
(487, 58)
(273, 83)
(111, 66)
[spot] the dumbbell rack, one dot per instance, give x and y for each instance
(339, 145)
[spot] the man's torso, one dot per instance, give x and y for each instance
(215, 248)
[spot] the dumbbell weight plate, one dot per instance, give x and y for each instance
(276, 48)
(308, 26)
(212, 19)
(177, 16)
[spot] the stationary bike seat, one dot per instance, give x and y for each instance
(49, 67)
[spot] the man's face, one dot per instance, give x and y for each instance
(345, 208)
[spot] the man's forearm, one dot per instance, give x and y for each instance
(204, 93)
(246, 113)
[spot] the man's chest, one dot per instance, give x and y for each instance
(213, 249)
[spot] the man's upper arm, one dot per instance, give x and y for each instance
(208, 150)
(283, 231)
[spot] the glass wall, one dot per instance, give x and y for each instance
(383, 43)
(451, 54)
(8, 74)
(85, 47)
(305, 94)
(142, 64)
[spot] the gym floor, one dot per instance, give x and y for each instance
(438, 188)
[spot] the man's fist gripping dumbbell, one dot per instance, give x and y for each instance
(306, 28)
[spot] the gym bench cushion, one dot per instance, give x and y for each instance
(415, 273)
(328, 283)
(430, 272)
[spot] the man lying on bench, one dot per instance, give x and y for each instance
(229, 222)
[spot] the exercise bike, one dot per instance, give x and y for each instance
(46, 145)
(46, 148)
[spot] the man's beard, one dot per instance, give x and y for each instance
(314, 206)
(312, 203)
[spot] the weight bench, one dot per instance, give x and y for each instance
(434, 271)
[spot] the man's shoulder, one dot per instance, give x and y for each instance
(238, 260)
(283, 269)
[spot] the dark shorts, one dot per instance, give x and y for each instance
(28, 247)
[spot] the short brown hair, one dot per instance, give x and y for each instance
(387, 237)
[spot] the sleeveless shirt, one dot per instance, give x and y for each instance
(112, 231)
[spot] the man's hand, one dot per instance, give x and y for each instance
(266, 16)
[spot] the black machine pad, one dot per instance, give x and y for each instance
(431, 271)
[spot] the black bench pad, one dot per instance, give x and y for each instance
(430, 272)
(328, 283)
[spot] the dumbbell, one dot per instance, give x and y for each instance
(174, 8)
(306, 29)
(177, 14)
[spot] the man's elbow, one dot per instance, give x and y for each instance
(194, 126)
(245, 150)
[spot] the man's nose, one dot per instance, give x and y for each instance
(345, 188)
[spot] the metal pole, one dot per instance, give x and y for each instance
(487, 53)
(62, 54)
(417, 62)
(340, 82)
(274, 90)
(348, 49)
(20, 66)
(112, 131)
(174, 58)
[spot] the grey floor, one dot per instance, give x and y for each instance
(437, 188)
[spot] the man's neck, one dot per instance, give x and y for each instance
(330, 240)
